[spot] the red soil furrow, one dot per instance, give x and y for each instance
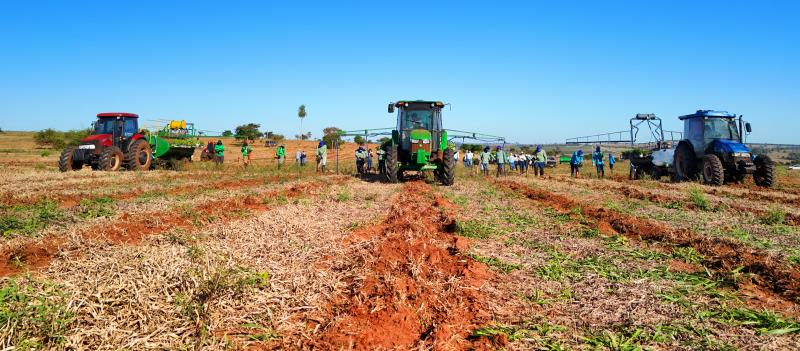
(632, 192)
(721, 254)
(132, 228)
(415, 293)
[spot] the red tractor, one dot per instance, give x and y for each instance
(115, 142)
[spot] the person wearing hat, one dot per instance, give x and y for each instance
(280, 154)
(576, 163)
(322, 156)
(502, 159)
(485, 156)
(597, 161)
(381, 160)
(539, 161)
(361, 159)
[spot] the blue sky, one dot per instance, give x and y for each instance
(532, 71)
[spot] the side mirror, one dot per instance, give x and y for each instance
(748, 128)
(391, 108)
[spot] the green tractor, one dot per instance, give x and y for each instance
(419, 143)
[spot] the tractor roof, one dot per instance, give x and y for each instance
(404, 103)
(118, 114)
(708, 113)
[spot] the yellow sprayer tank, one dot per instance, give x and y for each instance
(177, 124)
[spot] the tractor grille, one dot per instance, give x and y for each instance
(420, 146)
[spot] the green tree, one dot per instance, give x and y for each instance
(359, 140)
(384, 140)
(248, 131)
(331, 137)
(227, 133)
(301, 113)
(49, 138)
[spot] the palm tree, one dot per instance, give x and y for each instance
(301, 113)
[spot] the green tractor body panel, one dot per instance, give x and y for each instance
(420, 134)
(176, 141)
(443, 140)
(420, 137)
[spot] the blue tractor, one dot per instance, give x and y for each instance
(713, 148)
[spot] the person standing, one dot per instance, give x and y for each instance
(280, 154)
(539, 161)
(369, 160)
(246, 151)
(219, 152)
(486, 155)
(456, 156)
(597, 161)
(611, 162)
(303, 158)
(468, 159)
(381, 161)
(209, 151)
(361, 159)
(575, 163)
(322, 156)
(512, 162)
(297, 156)
(502, 159)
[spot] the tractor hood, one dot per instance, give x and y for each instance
(95, 138)
(420, 134)
(728, 146)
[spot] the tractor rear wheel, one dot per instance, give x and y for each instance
(139, 156)
(684, 163)
(448, 173)
(391, 166)
(713, 171)
(765, 171)
(66, 162)
(110, 159)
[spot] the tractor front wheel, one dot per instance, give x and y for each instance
(110, 159)
(713, 171)
(765, 171)
(448, 173)
(139, 156)
(66, 161)
(391, 165)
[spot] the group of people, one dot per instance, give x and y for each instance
(364, 160)
(576, 162)
(506, 161)
(216, 152)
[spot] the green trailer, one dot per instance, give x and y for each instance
(173, 145)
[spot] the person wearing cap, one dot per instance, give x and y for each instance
(280, 154)
(597, 161)
(576, 163)
(381, 160)
(322, 156)
(361, 159)
(539, 161)
(246, 151)
(502, 159)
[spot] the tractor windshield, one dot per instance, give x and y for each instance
(720, 128)
(104, 126)
(418, 119)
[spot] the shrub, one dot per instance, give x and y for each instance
(699, 199)
(49, 138)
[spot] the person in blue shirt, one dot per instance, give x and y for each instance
(597, 161)
(576, 163)
(611, 161)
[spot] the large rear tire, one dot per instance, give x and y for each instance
(66, 161)
(139, 156)
(684, 163)
(765, 171)
(447, 176)
(713, 171)
(111, 159)
(391, 165)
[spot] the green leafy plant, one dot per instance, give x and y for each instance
(96, 208)
(495, 262)
(34, 314)
(774, 216)
(699, 199)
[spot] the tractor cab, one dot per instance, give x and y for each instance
(712, 132)
(114, 129)
(419, 130)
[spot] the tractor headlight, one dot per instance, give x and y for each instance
(741, 154)
(415, 141)
(426, 141)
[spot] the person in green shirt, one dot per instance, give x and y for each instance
(280, 154)
(246, 150)
(322, 156)
(486, 155)
(539, 161)
(502, 159)
(381, 160)
(219, 152)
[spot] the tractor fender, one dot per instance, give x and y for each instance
(136, 136)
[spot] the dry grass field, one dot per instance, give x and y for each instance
(226, 258)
